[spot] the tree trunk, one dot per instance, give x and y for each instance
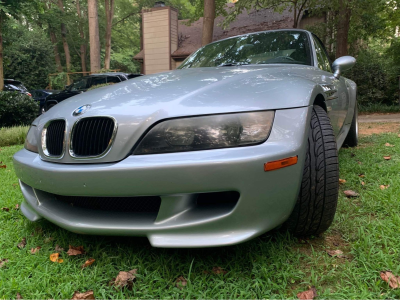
(343, 29)
(1, 52)
(57, 57)
(64, 39)
(109, 8)
(95, 64)
(82, 34)
(208, 22)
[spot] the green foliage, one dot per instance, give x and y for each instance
(17, 109)
(376, 78)
(28, 56)
(99, 86)
(13, 135)
(59, 82)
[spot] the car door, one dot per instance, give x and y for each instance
(337, 96)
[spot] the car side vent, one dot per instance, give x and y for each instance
(55, 138)
(92, 137)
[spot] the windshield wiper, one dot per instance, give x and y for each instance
(239, 63)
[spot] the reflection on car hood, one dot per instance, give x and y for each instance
(200, 91)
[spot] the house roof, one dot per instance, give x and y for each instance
(189, 36)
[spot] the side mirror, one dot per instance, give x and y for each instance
(342, 64)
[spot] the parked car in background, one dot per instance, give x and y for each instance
(84, 84)
(11, 85)
(41, 95)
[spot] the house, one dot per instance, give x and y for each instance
(167, 41)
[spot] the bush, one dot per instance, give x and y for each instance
(13, 135)
(17, 109)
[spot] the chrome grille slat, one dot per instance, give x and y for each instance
(92, 137)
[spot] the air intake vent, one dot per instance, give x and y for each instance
(55, 138)
(149, 204)
(92, 137)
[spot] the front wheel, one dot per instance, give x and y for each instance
(316, 204)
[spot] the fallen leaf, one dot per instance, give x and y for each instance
(389, 145)
(359, 162)
(180, 282)
(384, 187)
(59, 249)
(3, 262)
(89, 262)
(5, 209)
(75, 250)
(335, 253)
(361, 175)
(16, 206)
(125, 279)
(34, 250)
(22, 244)
(350, 193)
(387, 157)
(342, 181)
(86, 295)
(362, 183)
(399, 135)
(309, 294)
(394, 281)
(219, 270)
(3, 166)
(19, 297)
(55, 258)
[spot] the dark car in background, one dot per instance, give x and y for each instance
(41, 95)
(84, 84)
(11, 85)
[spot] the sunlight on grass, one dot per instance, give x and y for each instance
(275, 265)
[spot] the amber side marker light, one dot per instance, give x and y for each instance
(279, 164)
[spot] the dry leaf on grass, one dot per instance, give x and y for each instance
(75, 250)
(394, 281)
(16, 206)
(89, 262)
(55, 258)
(309, 294)
(19, 297)
(22, 244)
(5, 209)
(384, 187)
(3, 166)
(389, 145)
(387, 157)
(335, 253)
(361, 175)
(219, 270)
(34, 250)
(125, 279)
(86, 295)
(180, 282)
(59, 249)
(342, 181)
(350, 193)
(3, 262)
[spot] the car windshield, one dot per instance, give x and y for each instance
(82, 84)
(273, 47)
(15, 86)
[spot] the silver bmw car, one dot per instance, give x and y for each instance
(242, 138)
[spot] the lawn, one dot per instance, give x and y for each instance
(275, 265)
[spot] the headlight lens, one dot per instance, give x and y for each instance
(31, 140)
(208, 132)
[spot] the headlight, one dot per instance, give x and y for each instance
(31, 140)
(208, 132)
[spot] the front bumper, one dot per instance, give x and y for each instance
(266, 198)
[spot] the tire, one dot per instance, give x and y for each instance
(352, 137)
(316, 204)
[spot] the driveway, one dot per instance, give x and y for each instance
(379, 118)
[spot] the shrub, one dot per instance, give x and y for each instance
(17, 109)
(13, 135)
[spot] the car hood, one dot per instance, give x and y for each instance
(138, 103)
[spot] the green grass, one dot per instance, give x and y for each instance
(378, 108)
(13, 135)
(275, 265)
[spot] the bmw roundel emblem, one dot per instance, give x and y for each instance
(81, 110)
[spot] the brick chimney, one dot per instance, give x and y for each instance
(160, 38)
